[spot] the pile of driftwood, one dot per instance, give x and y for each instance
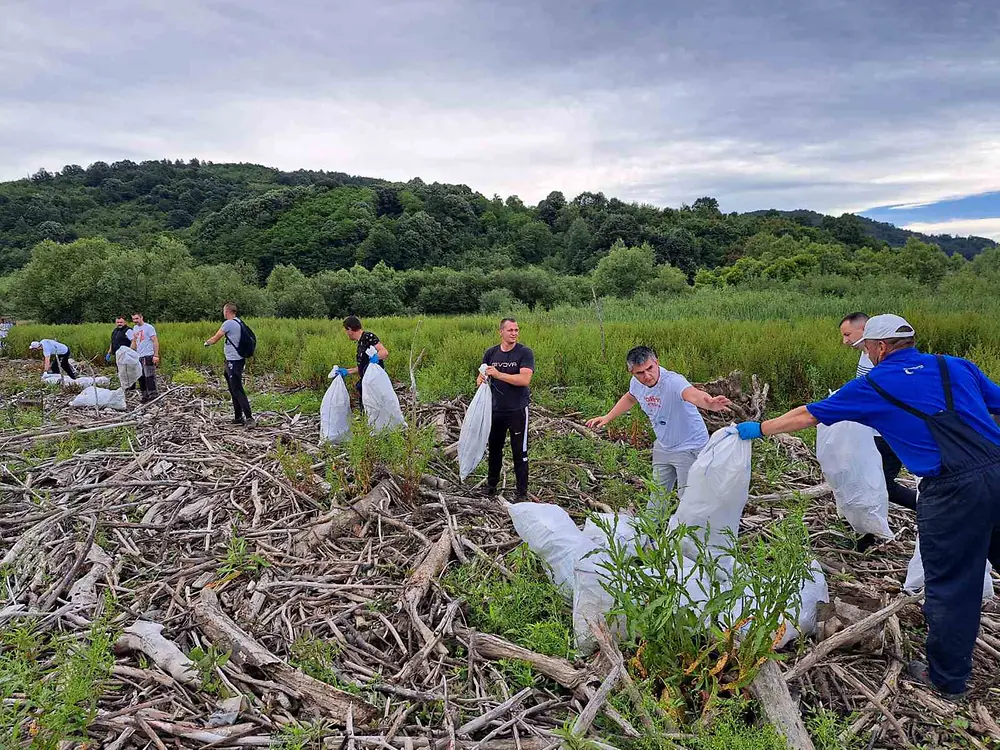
(208, 540)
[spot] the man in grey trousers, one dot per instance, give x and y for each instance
(672, 404)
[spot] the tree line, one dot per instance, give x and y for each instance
(324, 221)
(96, 280)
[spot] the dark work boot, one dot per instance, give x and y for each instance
(920, 672)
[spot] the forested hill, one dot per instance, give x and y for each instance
(328, 220)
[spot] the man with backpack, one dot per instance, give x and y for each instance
(240, 344)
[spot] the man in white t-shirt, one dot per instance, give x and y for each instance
(147, 346)
(672, 404)
(852, 328)
(56, 357)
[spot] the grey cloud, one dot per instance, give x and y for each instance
(771, 103)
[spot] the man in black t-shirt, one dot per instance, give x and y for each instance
(509, 367)
(119, 338)
(366, 340)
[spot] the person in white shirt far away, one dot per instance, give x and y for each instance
(672, 404)
(147, 346)
(56, 357)
(852, 328)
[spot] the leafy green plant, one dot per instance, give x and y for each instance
(302, 736)
(525, 608)
(239, 559)
(699, 630)
(295, 463)
(316, 657)
(50, 684)
(207, 661)
(188, 376)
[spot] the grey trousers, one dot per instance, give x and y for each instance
(670, 470)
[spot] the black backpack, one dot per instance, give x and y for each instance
(248, 341)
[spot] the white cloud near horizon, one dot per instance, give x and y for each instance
(988, 227)
(836, 109)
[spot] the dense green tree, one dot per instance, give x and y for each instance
(292, 295)
(625, 270)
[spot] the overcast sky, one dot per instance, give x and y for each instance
(847, 105)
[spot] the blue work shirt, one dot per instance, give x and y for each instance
(915, 379)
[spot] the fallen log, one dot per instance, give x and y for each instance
(339, 521)
(245, 651)
(771, 691)
(147, 638)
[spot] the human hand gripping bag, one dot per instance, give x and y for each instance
(475, 434)
(335, 411)
(853, 466)
(129, 367)
(379, 399)
(717, 491)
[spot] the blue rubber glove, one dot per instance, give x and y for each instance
(373, 359)
(107, 357)
(749, 430)
(342, 371)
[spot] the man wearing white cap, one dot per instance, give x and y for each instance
(56, 357)
(936, 413)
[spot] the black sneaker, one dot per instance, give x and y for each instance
(921, 673)
(249, 422)
(239, 421)
(491, 491)
(521, 497)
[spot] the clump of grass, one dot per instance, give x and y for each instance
(50, 684)
(239, 559)
(302, 402)
(317, 657)
(526, 609)
(188, 376)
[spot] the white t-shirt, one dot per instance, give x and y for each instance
(864, 365)
(233, 335)
(143, 338)
(51, 346)
(678, 424)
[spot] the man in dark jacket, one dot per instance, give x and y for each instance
(119, 338)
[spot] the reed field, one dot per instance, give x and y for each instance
(789, 339)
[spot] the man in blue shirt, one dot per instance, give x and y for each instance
(935, 413)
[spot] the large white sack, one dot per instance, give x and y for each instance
(551, 534)
(129, 367)
(853, 466)
(915, 575)
(591, 602)
(812, 593)
(717, 490)
(93, 396)
(86, 382)
(475, 432)
(335, 411)
(379, 399)
(55, 378)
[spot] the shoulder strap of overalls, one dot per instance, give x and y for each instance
(949, 401)
(895, 401)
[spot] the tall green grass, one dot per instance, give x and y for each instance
(787, 338)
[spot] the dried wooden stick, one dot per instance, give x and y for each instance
(848, 636)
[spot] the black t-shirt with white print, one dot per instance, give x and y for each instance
(367, 340)
(507, 397)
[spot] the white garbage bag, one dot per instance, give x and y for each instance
(717, 491)
(129, 367)
(379, 399)
(335, 411)
(55, 378)
(853, 466)
(475, 432)
(915, 575)
(93, 396)
(86, 382)
(591, 601)
(812, 593)
(551, 534)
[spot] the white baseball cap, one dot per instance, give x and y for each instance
(35, 345)
(882, 327)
